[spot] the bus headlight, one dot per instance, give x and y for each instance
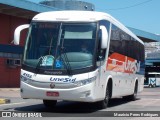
(25, 79)
(85, 82)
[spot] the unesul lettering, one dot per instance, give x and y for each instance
(66, 80)
(132, 66)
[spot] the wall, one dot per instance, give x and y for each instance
(10, 76)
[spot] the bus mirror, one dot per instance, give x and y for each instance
(17, 33)
(104, 37)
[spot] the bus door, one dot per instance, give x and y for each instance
(101, 69)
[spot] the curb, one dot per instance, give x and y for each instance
(9, 89)
(4, 101)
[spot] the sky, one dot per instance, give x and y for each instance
(139, 14)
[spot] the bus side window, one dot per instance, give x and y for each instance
(111, 49)
(117, 43)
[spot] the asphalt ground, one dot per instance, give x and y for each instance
(147, 101)
(149, 94)
(6, 93)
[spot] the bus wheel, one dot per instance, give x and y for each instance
(154, 85)
(104, 103)
(50, 103)
(132, 97)
(150, 85)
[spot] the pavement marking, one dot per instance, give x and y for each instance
(4, 101)
(12, 104)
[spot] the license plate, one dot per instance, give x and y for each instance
(52, 94)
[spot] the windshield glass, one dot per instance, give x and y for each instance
(60, 46)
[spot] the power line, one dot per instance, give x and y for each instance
(131, 6)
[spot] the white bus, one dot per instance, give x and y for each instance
(153, 79)
(81, 56)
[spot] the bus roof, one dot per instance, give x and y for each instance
(81, 16)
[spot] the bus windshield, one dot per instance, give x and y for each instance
(60, 46)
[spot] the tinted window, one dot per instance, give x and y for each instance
(122, 43)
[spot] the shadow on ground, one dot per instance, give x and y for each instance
(71, 108)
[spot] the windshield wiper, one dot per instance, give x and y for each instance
(38, 64)
(64, 58)
(59, 39)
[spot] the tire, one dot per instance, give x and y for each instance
(150, 85)
(104, 103)
(132, 97)
(154, 85)
(50, 103)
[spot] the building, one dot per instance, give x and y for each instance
(69, 5)
(12, 14)
(16, 12)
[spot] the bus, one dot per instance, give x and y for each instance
(152, 74)
(55, 67)
(152, 79)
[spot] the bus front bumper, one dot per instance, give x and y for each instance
(83, 93)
